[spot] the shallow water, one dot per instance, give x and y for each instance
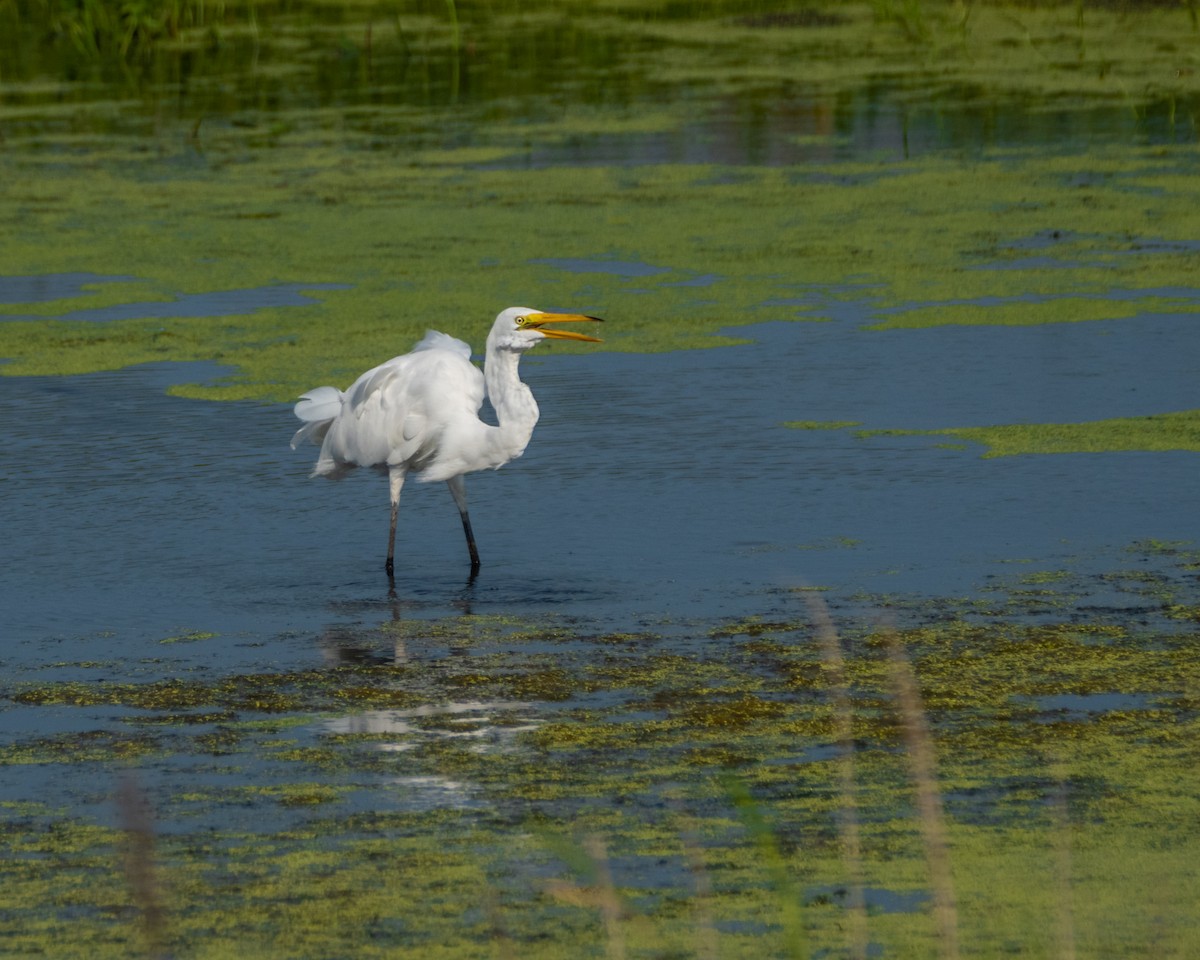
(656, 487)
(150, 536)
(53, 286)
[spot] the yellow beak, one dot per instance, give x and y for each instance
(537, 321)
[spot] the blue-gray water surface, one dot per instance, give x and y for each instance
(657, 487)
(148, 537)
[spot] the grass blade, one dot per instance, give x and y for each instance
(763, 837)
(922, 767)
(848, 827)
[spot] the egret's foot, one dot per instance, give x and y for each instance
(389, 567)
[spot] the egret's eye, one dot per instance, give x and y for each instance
(522, 321)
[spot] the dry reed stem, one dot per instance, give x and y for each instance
(1064, 903)
(137, 824)
(843, 710)
(601, 894)
(501, 941)
(923, 769)
(706, 930)
(607, 899)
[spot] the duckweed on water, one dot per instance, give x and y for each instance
(419, 234)
(822, 424)
(434, 234)
(428, 248)
(624, 741)
(1167, 431)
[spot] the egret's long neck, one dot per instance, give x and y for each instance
(516, 410)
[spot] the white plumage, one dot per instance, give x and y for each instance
(419, 413)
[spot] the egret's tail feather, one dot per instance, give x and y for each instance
(314, 431)
(317, 409)
(333, 469)
(323, 403)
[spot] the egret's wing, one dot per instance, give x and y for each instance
(402, 411)
(415, 424)
(380, 379)
(373, 383)
(433, 340)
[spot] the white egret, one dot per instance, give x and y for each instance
(419, 413)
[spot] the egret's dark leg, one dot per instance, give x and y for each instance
(395, 482)
(459, 492)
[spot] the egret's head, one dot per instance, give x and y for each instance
(519, 328)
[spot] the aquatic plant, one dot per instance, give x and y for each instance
(1061, 739)
(1166, 431)
(96, 28)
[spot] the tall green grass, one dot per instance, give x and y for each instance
(98, 28)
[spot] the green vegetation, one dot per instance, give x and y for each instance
(425, 245)
(420, 232)
(1168, 431)
(822, 424)
(675, 794)
(425, 209)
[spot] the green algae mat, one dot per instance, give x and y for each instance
(439, 209)
(742, 789)
(481, 786)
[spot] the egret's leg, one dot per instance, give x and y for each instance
(395, 482)
(458, 490)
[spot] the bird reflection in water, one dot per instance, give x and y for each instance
(485, 726)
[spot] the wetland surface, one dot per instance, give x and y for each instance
(900, 326)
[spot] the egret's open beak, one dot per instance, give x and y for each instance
(538, 322)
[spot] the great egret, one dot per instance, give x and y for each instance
(419, 413)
